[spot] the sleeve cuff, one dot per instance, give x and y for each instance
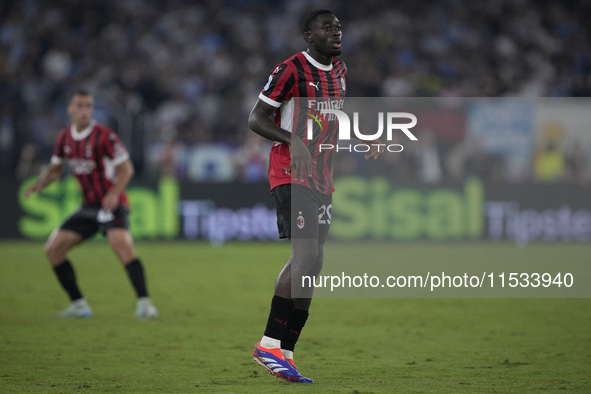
(56, 160)
(120, 159)
(267, 100)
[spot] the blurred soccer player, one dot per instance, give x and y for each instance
(300, 177)
(103, 169)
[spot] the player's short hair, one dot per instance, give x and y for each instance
(79, 92)
(312, 17)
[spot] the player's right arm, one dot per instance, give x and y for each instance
(260, 122)
(54, 170)
(50, 174)
(280, 87)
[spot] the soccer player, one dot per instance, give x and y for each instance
(103, 169)
(300, 177)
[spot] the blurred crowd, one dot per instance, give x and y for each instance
(178, 78)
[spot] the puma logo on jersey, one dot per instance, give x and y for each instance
(314, 84)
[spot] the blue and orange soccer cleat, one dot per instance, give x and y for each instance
(303, 379)
(276, 364)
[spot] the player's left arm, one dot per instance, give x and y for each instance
(123, 174)
(116, 152)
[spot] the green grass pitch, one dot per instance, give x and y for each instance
(213, 304)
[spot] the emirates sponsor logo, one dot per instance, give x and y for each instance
(82, 166)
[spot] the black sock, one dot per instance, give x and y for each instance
(295, 323)
(135, 271)
(67, 277)
(280, 310)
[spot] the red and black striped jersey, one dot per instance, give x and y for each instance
(302, 76)
(92, 154)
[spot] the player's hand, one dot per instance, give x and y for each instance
(33, 188)
(377, 148)
(301, 160)
(110, 201)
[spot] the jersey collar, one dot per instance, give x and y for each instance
(80, 135)
(321, 66)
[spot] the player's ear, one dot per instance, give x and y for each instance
(308, 36)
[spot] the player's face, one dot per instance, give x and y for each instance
(325, 35)
(80, 110)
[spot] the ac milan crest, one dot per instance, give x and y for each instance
(300, 222)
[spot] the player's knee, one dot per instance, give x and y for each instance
(308, 256)
(320, 257)
(54, 253)
(48, 249)
(317, 266)
(124, 252)
(304, 262)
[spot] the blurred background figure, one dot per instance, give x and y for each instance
(549, 161)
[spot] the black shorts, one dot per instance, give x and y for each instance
(89, 220)
(302, 212)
